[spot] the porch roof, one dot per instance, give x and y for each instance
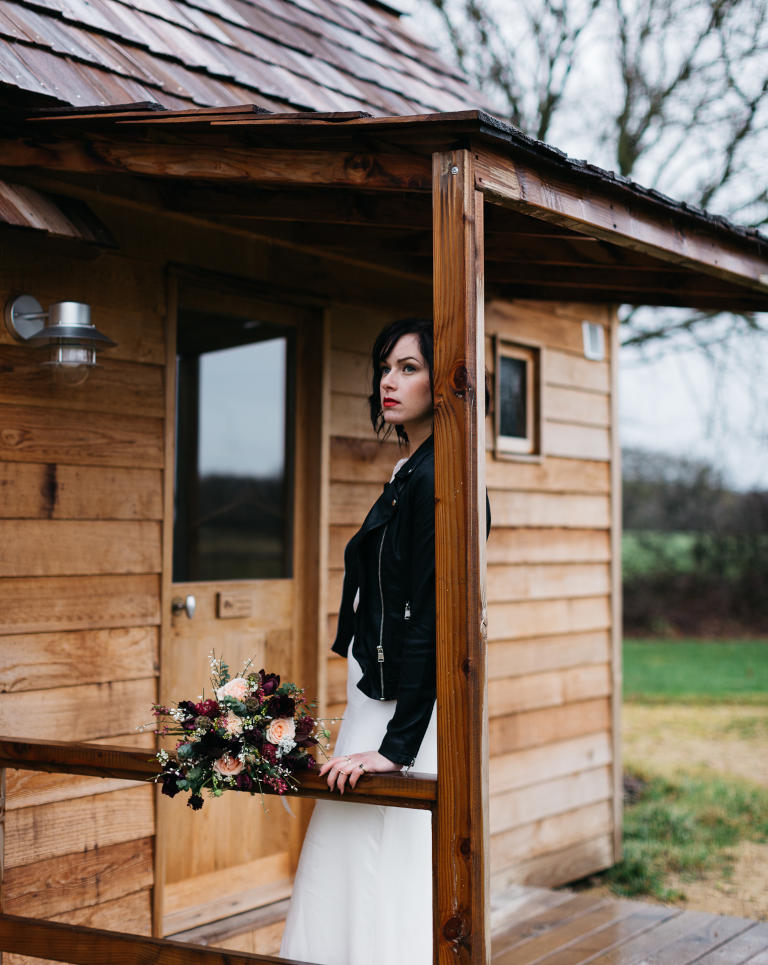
(359, 189)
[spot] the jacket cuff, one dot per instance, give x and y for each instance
(392, 752)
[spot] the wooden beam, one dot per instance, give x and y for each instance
(99, 760)
(747, 301)
(79, 945)
(221, 162)
(331, 206)
(460, 823)
(599, 211)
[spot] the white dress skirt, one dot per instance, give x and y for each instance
(363, 888)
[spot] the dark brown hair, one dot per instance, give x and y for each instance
(385, 342)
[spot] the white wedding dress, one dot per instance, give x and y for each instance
(363, 889)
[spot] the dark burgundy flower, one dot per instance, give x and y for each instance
(269, 752)
(208, 708)
(169, 785)
(243, 782)
(195, 802)
(189, 709)
(212, 745)
(281, 705)
(254, 737)
(269, 682)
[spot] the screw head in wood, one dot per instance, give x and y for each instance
(455, 169)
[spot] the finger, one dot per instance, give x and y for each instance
(327, 766)
(341, 781)
(333, 773)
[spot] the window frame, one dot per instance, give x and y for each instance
(528, 447)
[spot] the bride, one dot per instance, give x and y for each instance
(363, 888)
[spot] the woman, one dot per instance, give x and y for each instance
(363, 888)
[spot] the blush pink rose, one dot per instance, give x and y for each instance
(237, 687)
(233, 724)
(281, 729)
(228, 766)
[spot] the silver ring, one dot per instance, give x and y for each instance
(362, 767)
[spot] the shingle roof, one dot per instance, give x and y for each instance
(324, 55)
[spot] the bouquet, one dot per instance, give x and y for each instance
(253, 735)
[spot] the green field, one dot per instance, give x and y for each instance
(684, 819)
(696, 671)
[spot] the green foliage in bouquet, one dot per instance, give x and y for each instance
(253, 735)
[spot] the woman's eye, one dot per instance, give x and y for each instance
(409, 368)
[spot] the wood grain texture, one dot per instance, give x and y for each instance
(35, 434)
(546, 581)
(559, 867)
(537, 727)
(617, 636)
(570, 441)
(112, 386)
(256, 166)
(97, 758)
(73, 548)
(548, 545)
(230, 891)
(82, 712)
(556, 796)
(77, 826)
(80, 945)
(529, 509)
(548, 617)
(53, 886)
(38, 661)
(552, 689)
(508, 658)
(460, 824)
(58, 491)
(29, 605)
(555, 324)
(550, 834)
(599, 212)
(558, 759)
(574, 371)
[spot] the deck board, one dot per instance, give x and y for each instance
(574, 929)
(741, 949)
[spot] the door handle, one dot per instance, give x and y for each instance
(187, 605)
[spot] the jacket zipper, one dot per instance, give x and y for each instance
(407, 614)
(380, 648)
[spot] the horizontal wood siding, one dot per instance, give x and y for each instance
(548, 586)
(81, 475)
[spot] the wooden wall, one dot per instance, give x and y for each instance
(81, 472)
(549, 590)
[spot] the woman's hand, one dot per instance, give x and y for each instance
(353, 766)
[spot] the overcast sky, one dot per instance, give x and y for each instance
(712, 406)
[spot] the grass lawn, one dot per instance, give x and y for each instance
(696, 771)
(696, 671)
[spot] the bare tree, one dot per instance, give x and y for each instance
(673, 93)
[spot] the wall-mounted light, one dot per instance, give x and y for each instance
(65, 330)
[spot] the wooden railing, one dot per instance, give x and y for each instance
(79, 945)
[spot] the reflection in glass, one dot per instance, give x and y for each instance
(232, 519)
(513, 397)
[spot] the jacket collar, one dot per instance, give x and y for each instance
(385, 506)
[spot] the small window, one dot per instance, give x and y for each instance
(517, 408)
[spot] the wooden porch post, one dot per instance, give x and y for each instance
(460, 820)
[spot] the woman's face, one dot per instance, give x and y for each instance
(406, 395)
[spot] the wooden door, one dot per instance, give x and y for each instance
(244, 417)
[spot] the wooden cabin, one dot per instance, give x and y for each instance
(242, 258)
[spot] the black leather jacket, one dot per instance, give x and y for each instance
(391, 559)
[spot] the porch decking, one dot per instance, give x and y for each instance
(566, 928)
